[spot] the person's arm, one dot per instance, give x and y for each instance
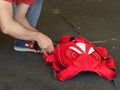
(11, 27)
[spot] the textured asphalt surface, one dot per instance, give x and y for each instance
(96, 20)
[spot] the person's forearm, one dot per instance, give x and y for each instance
(23, 21)
(16, 30)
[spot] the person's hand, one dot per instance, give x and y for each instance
(45, 43)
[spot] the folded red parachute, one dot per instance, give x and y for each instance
(74, 55)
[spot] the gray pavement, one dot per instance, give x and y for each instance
(96, 20)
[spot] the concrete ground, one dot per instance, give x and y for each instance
(96, 20)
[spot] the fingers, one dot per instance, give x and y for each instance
(48, 50)
(45, 44)
(44, 52)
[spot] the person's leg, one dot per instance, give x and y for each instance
(34, 11)
(32, 16)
